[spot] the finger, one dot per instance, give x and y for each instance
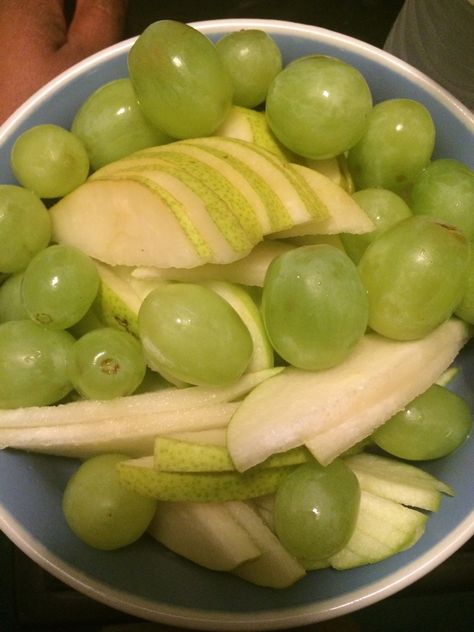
(96, 24)
(34, 23)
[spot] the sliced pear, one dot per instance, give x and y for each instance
(344, 403)
(262, 355)
(249, 270)
(251, 125)
(141, 476)
(177, 455)
(205, 533)
(275, 567)
(211, 436)
(383, 528)
(335, 169)
(402, 482)
(346, 216)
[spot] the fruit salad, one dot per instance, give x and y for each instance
(235, 291)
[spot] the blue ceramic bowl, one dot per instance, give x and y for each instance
(147, 581)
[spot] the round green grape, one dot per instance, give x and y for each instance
(314, 306)
(318, 106)
(433, 425)
(25, 227)
(445, 190)
(193, 335)
(106, 363)
(180, 81)
(33, 364)
(253, 59)
(11, 304)
(465, 308)
(59, 286)
(49, 160)
(395, 147)
(385, 208)
(111, 124)
(99, 510)
(316, 509)
(415, 274)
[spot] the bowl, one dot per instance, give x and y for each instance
(147, 581)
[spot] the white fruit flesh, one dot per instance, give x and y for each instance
(205, 533)
(345, 403)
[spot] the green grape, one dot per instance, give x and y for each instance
(25, 227)
(99, 510)
(316, 509)
(465, 308)
(33, 364)
(253, 60)
(192, 334)
(415, 274)
(180, 81)
(385, 208)
(106, 363)
(11, 304)
(49, 160)
(314, 306)
(395, 147)
(318, 106)
(433, 425)
(59, 286)
(111, 124)
(445, 189)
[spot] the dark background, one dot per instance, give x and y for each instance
(31, 600)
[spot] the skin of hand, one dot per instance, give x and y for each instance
(38, 41)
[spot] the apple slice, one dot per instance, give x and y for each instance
(141, 475)
(205, 533)
(275, 567)
(344, 403)
(402, 482)
(383, 528)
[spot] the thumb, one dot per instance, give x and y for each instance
(96, 24)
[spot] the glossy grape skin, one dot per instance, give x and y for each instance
(33, 364)
(49, 160)
(99, 510)
(314, 306)
(106, 363)
(396, 146)
(415, 274)
(445, 190)
(385, 208)
(111, 124)
(59, 286)
(25, 227)
(180, 81)
(318, 106)
(193, 335)
(11, 304)
(432, 426)
(316, 509)
(465, 309)
(253, 60)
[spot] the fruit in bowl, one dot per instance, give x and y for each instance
(249, 414)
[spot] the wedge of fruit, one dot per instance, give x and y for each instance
(331, 410)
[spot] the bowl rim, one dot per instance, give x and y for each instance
(271, 619)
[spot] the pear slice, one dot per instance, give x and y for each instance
(344, 403)
(335, 169)
(249, 270)
(275, 567)
(205, 533)
(251, 125)
(383, 528)
(398, 481)
(178, 455)
(211, 436)
(346, 216)
(141, 476)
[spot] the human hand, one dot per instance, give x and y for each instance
(38, 42)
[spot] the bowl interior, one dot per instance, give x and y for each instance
(145, 579)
